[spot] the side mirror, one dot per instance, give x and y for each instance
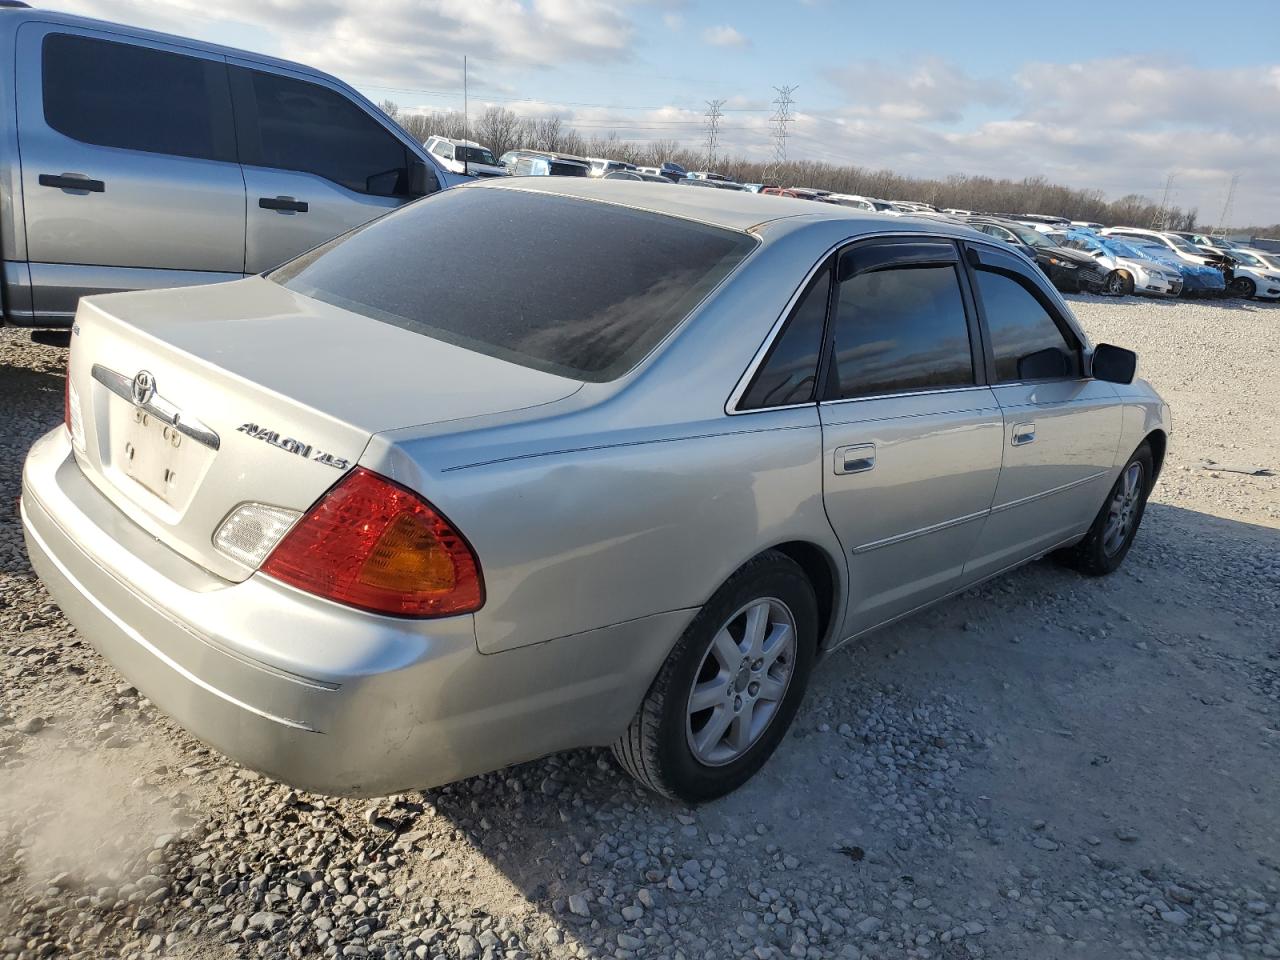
(1114, 364)
(422, 179)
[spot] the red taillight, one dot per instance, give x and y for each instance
(373, 544)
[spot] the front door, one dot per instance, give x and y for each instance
(316, 164)
(912, 437)
(129, 171)
(1061, 429)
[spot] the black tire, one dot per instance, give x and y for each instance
(1244, 287)
(1092, 555)
(655, 748)
(1118, 284)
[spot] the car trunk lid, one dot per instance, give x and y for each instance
(188, 403)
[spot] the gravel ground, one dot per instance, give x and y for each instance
(1047, 766)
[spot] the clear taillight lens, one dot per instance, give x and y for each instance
(251, 530)
(373, 544)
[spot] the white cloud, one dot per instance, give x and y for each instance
(930, 89)
(1117, 124)
(725, 36)
(407, 42)
(674, 21)
(1144, 92)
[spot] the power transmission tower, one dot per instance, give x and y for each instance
(1226, 207)
(782, 116)
(713, 115)
(1162, 217)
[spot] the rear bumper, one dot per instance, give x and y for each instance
(315, 694)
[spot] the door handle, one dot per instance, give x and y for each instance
(1023, 433)
(70, 181)
(283, 203)
(858, 458)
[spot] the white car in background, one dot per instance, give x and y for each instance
(465, 156)
(602, 165)
(1255, 274)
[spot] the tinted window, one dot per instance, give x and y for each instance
(312, 129)
(578, 288)
(137, 98)
(901, 329)
(789, 373)
(559, 169)
(1022, 332)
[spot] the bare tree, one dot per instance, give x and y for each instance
(498, 129)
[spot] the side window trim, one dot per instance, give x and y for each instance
(245, 110)
(827, 267)
(973, 263)
(732, 405)
(983, 367)
(977, 359)
(222, 113)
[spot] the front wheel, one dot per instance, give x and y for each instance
(1107, 543)
(1244, 287)
(729, 689)
(1119, 283)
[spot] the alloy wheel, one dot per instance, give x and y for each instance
(1122, 512)
(741, 682)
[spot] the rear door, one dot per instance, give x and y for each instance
(911, 434)
(1061, 429)
(316, 163)
(129, 172)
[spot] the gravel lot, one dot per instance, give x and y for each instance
(1047, 766)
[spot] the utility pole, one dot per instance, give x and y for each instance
(466, 123)
(713, 115)
(1226, 207)
(1162, 217)
(782, 116)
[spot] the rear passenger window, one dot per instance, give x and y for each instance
(137, 98)
(308, 128)
(789, 374)
(1027, 343)
(901, 329)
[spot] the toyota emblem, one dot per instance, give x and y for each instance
(143, 387)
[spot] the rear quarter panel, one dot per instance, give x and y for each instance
(639, 496)
(574, 540)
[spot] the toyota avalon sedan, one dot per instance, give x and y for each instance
(391, 515)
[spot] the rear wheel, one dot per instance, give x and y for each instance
(1108, 541)
(730, 688)
(1119, 283)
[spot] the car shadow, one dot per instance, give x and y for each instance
(926, 751)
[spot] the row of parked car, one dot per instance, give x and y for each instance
(1075, 255)
(1133, 260)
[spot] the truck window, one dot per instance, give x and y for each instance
(137, 98)
(291, 124)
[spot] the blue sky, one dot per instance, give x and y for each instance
(1107, 97)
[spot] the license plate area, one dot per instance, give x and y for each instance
(146, 452)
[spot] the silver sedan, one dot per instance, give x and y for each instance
(537, 464)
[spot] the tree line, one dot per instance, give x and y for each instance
(501, 130)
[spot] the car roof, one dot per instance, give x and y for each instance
(729, 209)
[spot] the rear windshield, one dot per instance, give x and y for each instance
(573, 287)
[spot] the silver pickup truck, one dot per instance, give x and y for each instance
(131, 159)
